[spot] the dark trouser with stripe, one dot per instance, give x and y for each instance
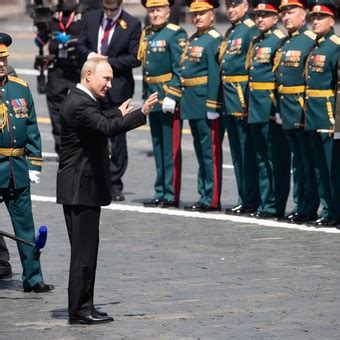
(19, 206)
(244, 161)
(305, 193)
(208, 137)
(83, 230)
(273, 159)
(166, 131)
(322, 146)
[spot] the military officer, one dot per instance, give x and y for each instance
(20, 163)
(234, 76)
(290, 65)
(160, 52)
(321, 87)
(272, 149)
(201, 103)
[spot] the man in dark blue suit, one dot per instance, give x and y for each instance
(113, 34)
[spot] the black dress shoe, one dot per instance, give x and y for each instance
(232, 209)
(169, 204)
(117, 196)
(92, 319)
(324, 222)
(301, 218)
(153, 203)
(200, 207)
(265, 215)
(40, 287)
(243, 210)
(97, 311)
(5, 270)
(290, 215)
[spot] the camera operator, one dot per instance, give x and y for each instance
(62, 65)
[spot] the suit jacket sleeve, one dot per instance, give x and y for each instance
(82, 49)
(91, 118)
(127, 61)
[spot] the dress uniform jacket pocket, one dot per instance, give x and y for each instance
(201, 90)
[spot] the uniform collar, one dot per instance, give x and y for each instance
(326, 36)
(299, 31)
(158, 28)
(270, 31)
(245, 17)
(201, 32)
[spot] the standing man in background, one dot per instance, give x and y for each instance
(234, 77)
(272, 149)
(201, 103)
(112, 34)
(290, 62)
(321, 87)
(63, 66)
(20, 163)
(160, 51)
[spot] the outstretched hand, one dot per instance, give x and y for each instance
(126, 108)
(149, 103)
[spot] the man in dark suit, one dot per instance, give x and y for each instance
(113, 34)
(84, 180)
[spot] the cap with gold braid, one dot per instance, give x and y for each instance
(5, 41)
(322, 7)
(201, 5)
(288, 4)
(157, 3)
(266, 6)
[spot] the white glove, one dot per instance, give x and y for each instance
(34, 176)
(337, 135)
(168, 105)
(212, 115)
(278, 119)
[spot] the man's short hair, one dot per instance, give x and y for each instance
(91, 64)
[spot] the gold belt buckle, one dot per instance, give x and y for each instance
(14, 152)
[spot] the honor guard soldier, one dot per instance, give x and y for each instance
(272, 149)
(321, 87)
(63, 66)
(201, 103)
(20, 163)
(160, 51)
(289, 64)
(235, 87)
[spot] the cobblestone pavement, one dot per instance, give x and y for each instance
(173, 275)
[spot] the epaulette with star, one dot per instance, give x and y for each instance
(173, 27)
(310, 34)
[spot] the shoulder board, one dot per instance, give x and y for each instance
(279, 34)
(214, 33)
(248, 22)
(173, 27)
(17, 80)
(335, 39)
(310, 34)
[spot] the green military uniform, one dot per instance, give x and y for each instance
(20, 151)
(290, 62)
(272, 149)
(160, 53)
(235, 84)
(201, 94)
(321, 88)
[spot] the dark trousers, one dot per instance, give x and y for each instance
(119, 151)
(59, 81)
(4, 254)
(83, 230)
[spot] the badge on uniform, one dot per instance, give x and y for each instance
(318, 63)
(234, 46)
(20, 108)
(263, 55)
(195, 53)
(158, 45)
(292, 58)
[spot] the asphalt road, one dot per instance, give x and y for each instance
(168, 273)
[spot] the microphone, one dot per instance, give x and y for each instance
(41, 237)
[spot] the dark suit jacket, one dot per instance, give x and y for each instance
(122, 53)
(84, 176)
